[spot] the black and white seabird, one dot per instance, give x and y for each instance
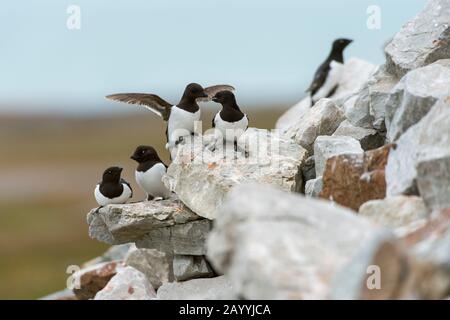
(149, 172)
(181, 117)
(112, 189)
(231, 122)
(329, 73)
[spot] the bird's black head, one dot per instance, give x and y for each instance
(112, 174)
(195, 91)
(224, 98)
(145, 153)
(341, 44)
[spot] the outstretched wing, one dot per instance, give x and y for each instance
(319, 78)
(211, 91)
(150, 101)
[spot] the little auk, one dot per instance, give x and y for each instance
(327, 77)
(231, 122)
(112, 189)
(181, 117)
(149, 172)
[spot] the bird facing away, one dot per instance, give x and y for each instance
(231, 122)
(180, 117)
(327, 77)
(112, 189)
(149, 172)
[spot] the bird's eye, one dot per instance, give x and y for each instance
(142, 151)
(109, 172)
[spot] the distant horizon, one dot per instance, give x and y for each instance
(268, 50)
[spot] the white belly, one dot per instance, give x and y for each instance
(151, 181)
(333, 78)
(181, 123)
(103, 201)
(231, 130)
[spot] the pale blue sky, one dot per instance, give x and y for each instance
(267, 49)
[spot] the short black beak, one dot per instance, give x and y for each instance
(215, 99)
(204, 95)
(133, 157)
(120, 169)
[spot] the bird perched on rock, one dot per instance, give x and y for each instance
(149, 172)
(231, 122)
(180, 117)
(327, 77)
(112, 189)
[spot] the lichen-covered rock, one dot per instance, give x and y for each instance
(94, 278)
(127, 284)
(190, 267)
(116, 224)
(278, 245)
(202, 178)
(153, 263)
(353, 179)
(420, 162)
(184, 239)
(414, 96)
(323, 119)
(368, 138)
(423, 40)
(371, 100)
(395, 212)
(326, 147)
(314, 187)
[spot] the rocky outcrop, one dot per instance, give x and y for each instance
(127, 284)
(323, 119)
(283, 249)
(191, 267)
(420, 163)
(421, 41)
(414, 96)
(116, 224)
(314, 187)
(353, 179)
(201, 178)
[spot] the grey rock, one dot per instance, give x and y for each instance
(190, 267)
(357, 114)
(217, 288)
(423, 40)
(127, 284)
(323, 119)
(414, 96)
(378, 271)
(277, 245)
(183, 239)
(202, 178)
(289, 118)
(314, 187)
(372, 99)
(395, 212)
(355, 74)
(117, 224)
(152, 263)
(368, 138)
(326, 147)
(420, 163)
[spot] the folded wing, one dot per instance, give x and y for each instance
(152, 102)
